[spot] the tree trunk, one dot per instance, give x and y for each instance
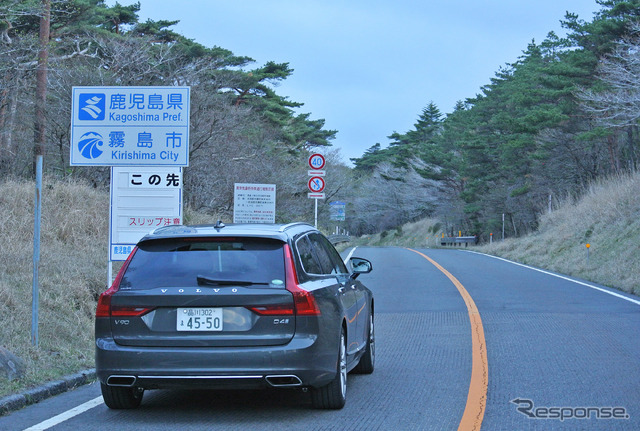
(41, 81)
(632, 133)
(614, 159)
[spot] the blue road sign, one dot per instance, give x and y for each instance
(92, 106)
(130, 126)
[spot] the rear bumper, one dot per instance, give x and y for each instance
(298, 363)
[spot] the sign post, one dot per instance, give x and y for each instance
(134, 127)
(316, 183)
(588, 248)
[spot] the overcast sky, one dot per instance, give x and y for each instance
(369, 67)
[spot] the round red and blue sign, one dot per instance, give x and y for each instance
(316, 161)
(316, 184)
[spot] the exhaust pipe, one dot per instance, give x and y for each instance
(279, 381)
(124, 381)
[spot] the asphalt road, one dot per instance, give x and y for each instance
(556, 351)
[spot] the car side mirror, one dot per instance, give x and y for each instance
(359, 266)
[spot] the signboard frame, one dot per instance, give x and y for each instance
(130, 126)
(254, 203)
(154, 202)
(337, 211)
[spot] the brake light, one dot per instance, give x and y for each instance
(103, 309)
(304, 301)
(129, 311)
(274, 310)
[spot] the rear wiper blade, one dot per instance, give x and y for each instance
(206, 281)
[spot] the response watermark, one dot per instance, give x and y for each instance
(562, 413)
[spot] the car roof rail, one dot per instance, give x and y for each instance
(290, 225)
(172, 229)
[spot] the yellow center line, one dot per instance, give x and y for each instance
(477, 397)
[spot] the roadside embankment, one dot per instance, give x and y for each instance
(606, 218)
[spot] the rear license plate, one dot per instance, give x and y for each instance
(199, 319)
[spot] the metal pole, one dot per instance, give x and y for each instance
(316, 214)
(36, 252)
(110, 274)
(39, 150)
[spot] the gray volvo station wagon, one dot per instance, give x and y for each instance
(241, 306)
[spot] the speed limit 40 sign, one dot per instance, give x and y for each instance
(316, 183)
(316, 161)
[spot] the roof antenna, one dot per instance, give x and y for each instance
(219, 225)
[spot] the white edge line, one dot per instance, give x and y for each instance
(66, 415)
(350, 254)
(635, 301)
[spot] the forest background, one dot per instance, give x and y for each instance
(545, 127)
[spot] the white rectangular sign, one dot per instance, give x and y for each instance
(254, 203)
(125, 126)
(143, 198)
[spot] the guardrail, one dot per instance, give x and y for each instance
(455, 241)
(337, 239)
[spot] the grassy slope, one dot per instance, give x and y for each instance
(423, 233)
(607, 218)
(73, 272)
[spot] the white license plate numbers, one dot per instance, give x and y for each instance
(199, 319)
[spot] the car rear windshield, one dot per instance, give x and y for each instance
(197, 261)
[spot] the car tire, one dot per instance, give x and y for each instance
(334, 395)
(368, 359)
(116, 397)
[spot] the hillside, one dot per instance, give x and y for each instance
(607, 218)
(73, 272)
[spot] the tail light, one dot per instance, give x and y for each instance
(274, 310)
(104, 308)
(304, 302)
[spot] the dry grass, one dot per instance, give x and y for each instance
(72, 272)
(423, 233)
(607, 217)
